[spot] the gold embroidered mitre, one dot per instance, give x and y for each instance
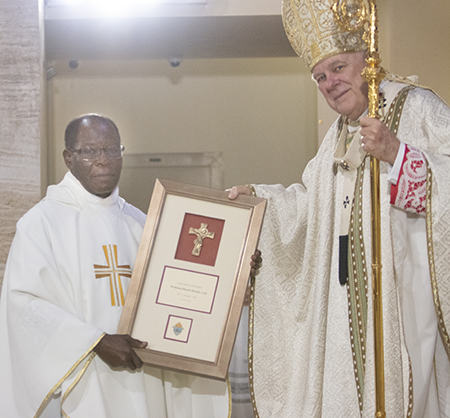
(314, 33)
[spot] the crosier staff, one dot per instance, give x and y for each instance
(352, 15)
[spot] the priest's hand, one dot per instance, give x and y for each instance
(378, 140)
(118, 351)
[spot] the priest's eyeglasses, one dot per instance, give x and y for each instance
(92, 154)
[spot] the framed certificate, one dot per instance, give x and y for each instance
(188, 284)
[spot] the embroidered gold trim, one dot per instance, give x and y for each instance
(396, 109)
(411, 392)
(434, 286)
(251, 319)
(65, 377)
(357, 288)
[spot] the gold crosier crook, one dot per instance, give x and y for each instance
(352, 15)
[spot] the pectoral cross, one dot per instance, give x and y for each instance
(201, 233)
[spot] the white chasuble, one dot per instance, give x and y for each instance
(65, 284)
(303, 362)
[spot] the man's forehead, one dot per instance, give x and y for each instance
(335, 60)
(95, 123)
(97, 128)
(330, 62)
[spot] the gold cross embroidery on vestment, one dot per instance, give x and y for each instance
(114, 272)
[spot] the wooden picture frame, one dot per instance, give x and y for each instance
(191, 273)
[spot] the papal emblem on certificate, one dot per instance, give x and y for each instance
(188, 284)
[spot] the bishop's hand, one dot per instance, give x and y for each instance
(235, 191)
(255, 263)
(378, 140)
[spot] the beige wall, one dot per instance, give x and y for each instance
(21, 110)
(418, 34)
(260, 113)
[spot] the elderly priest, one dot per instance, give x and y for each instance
(66, 279)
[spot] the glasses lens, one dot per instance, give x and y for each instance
(114, 152)
(90, 154)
